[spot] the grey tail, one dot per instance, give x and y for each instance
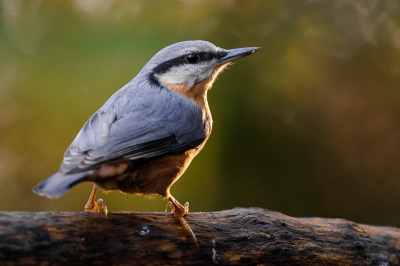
(58, 184)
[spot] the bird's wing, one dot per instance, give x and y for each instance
(134, 136)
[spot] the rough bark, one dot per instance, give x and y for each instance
(251, 236)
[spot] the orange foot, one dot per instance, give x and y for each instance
(180, 211)
(92, 205)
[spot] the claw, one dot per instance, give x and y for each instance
(179, 212)
(169, 204)
(188, 229)
(97, 206)
(92, 206)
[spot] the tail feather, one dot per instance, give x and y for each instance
(58, 184)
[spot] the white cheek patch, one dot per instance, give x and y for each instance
(188, 74)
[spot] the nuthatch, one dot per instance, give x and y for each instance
(145, 136)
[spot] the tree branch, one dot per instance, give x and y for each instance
(251, 236)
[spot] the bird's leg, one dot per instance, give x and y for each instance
(92, 205)
(180, 211)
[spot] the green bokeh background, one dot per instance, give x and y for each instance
(308, 126)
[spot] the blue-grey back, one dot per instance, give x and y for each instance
(137, 114)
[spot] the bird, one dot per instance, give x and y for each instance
(147, 133)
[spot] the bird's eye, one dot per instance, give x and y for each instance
(192, 58)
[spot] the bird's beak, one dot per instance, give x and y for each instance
(235, 54)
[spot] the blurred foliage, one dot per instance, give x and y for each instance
(308, 126)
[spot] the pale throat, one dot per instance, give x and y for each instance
(196, 91)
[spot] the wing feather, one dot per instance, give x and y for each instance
(143, 127)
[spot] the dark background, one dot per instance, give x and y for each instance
(308, 126)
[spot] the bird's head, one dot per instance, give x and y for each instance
(191, 67)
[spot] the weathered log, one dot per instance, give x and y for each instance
(251, 236)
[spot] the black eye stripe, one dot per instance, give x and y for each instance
(163, 67)
(203, 56)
